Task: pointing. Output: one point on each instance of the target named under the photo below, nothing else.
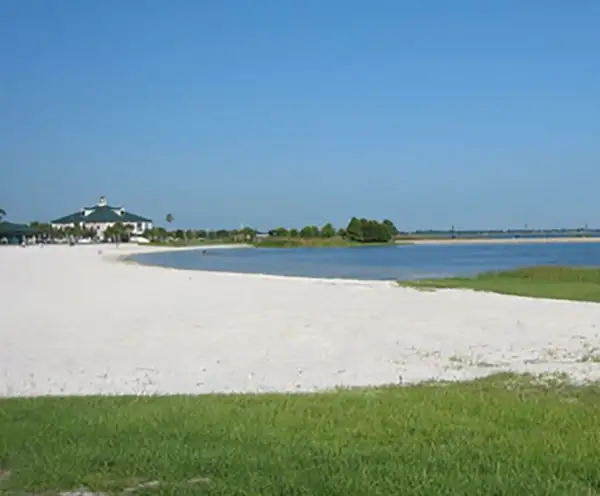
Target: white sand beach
(75, 322)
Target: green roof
(11, 229)
(100, 214)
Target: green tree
(109, 233)
(77, 231)
(310, 232)
(369, 231)
(116, 232)
(354, 231)
(378, 232)
(45, 229)
(156, 234)
(169, 218)
(127, 231)
(74, 231)
(2, 213)
(279, 232)
(294, 233)
(389, 225)
(120, 231)
(328, 231)
(90, 233)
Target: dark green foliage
(370, 231)
(359, 231)
(156, 234)
(389, 225)
(310, 232)
(118, 232)
(328, 231)
(354, 230)
(280, 232)
(199, 237)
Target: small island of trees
(357, 232)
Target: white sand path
(73, 322)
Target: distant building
(16, 233)
(102, 216)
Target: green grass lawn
(564, 283)
(504, 435)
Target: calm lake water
(380, 263)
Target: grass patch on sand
(564, 283)
(333, 242)
(502, 435)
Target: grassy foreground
(504, 435)
(564, 283)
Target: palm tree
(109, 233)
(128, 231)
(120, 230)
(2, 213)
(115, 232)
(169, 218)
(46, 230)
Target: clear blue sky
(482, 114)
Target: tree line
(118, 231)
(357, 230)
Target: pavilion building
(102, 216)
(17, 233)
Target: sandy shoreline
(492, 241)
(74, 323)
